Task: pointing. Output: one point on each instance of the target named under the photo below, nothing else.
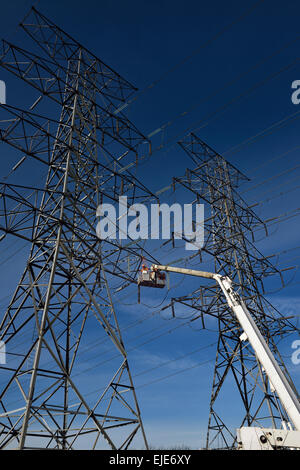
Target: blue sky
(233, 89)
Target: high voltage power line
(193, 54)
(68, 276)
(170, 122)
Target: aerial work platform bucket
(151, 278)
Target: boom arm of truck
(277, 379)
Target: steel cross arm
(36, 63)
(41, 20)
(33, 120)
(276, 376)
(241, 205)
(189, 146)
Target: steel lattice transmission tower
(87, 147)
(229, 233)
